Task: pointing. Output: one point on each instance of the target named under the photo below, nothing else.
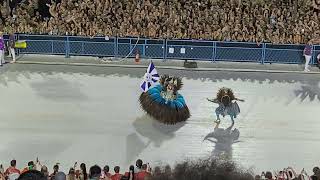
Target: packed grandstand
(287, 21)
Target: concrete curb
(165, 67)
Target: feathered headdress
(175, 81)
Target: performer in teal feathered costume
(164, 103)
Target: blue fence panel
(40, 44)
(155, 48)
(38, 47)
(154, 51)
(240, 52)
(167, 49)
(128, 47)
(291, 54)
(76, 48)
(98, 46)
(123, 49)
(102, 49)
(315, 54)
(189, 49)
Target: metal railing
(165, 49)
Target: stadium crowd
(258, 21)
(209, 169)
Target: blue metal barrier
(165, 49)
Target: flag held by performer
(150, 78)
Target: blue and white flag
(150, 78)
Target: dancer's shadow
(223, 139)
(310, 90)
(155, 132)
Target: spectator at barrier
(268, 175)
(55, 171)
(106, 171)
(12, 170)
(117, 175)
(307, 54)
(318, 60)
(83, 172)
(2, 48)
(131, 175)
(60, 176)
(139, 163)
(71, 175)
(95, 172)
(31, 166)
(45, 171)
(11, 46)
(32, 175)
(144, 173)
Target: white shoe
(306, 70)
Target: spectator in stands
(269, 175)
(55, 171)
(45, 171)
(30, 166)
(60, 176)
(32, 175)
(139, 165)
(83, 172)
(72, 174)
(131, 175)
(94, 172)
(144, 173)
(12, 172)
(117, 175)
(106, 171)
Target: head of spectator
(268, 175)
(144, 167)
(95, 172)
(55, 168)
(60, 176)
(13, 163)
(117, 169)
(157, 171)
(45, 171)
(71, 174)
(131, 174)
(139, 164)
(31, 165)
(32, 175)
(106, 169)
(83, 170)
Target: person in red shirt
(117, 175)
(106, 171)
(30, 166)
(12, 169)
(144, 173)
(131, 175)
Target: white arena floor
(91, 114)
